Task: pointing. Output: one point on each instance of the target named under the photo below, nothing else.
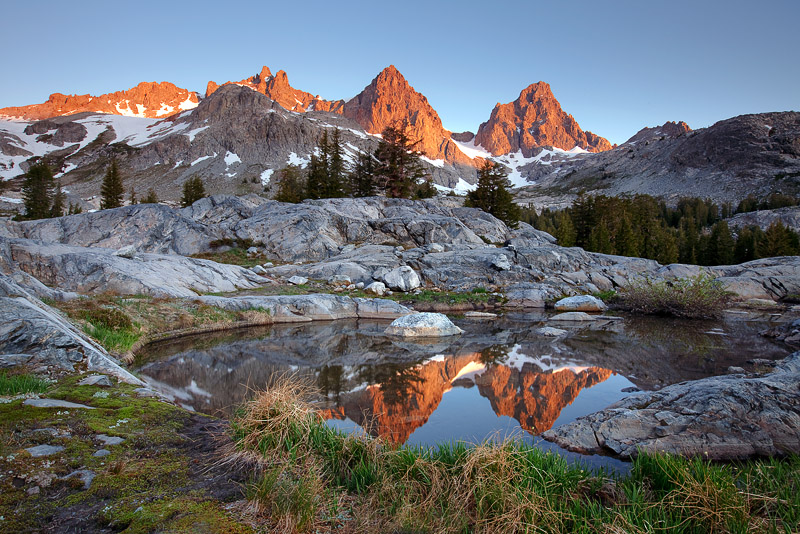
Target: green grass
(309, 471)
(113, 340)
(17, 384)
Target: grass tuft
(18, 384)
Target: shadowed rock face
(720, 418)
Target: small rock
(434, 248)
(34, 490)
(268, 265)
(298, 280)
(572, 317)
(102, 453)
(128, 252)
(258, 269)
(423, 325)
(735, 370)
(44, 450)
(109, 440)
(252, 251)
(360, 285)
(581, 303)
(550, 331)
(96, 380)
(53, 403)
(351, 287)
(84, 475)
(630, 389)
(145, 392)
(347, 249)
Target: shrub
(697, 297)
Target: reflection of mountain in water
(392, 387)
(533, 394)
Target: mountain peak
(534, 119)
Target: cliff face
(534, 119)
(148, 99)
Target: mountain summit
(390, 100)
(535, 119)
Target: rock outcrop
(148, 99)
(533, 120)
(35, 335)
(719, 418)
(305, 308)
(94, 270)
(423, 325)
(789, 217)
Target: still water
(501, 378)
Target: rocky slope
(749, 154)
(535, 119)
(148, 99)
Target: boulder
(298, 280)
(501, 262)
(423, 325)
(339, 280)
(376, 288)
(549, 331)
(581, 303)
(719, 418)
(402, 279)
(526, 298)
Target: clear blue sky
(616, 66)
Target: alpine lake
(500, 379)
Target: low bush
(697, 297)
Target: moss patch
(162, 476)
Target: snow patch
(68, 167)
(11, 200)
(191, 134)
(164, 110)
(187, 104)
(471, 150)
(462, 187)
(435, 162)
(265, 176)
(202, 158)
(231, 158)
(294, 159)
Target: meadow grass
(307, 476)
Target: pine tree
(111, 192)
(132, 197)
(290, 185)
(492, 194)
(565, 230)
(57, 209)
(721, 245)
(361, 178)
(399, 169)
(193, 190)
(37, 192)
(336, 184)
(779, 240)
(625, 242)
(151, 197)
